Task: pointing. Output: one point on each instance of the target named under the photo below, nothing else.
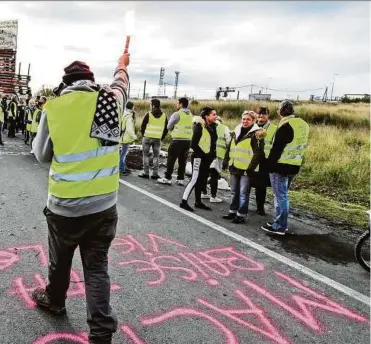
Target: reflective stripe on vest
(241, 154)
(183, 129)
(205, 141)
(34, 124)
(221, 143)
(81, 167)
(268, 139)
(294, 151)
(155, 126)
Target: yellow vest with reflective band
(155, 126)
(183, 129)
(29, 118)
(34, 124)
(1, 114)
(240, 154)
(205, 141)
(81, 166)
(124, 119)
(294, 151)
(10, 112)
(221, 143)
(268, 139)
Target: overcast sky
(283, 45)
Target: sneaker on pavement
(238, 219)
(42, 299)
(205, 196)
(229, 216)
(215, 200)
(184, 205)
(179, 182)
(164, 181)
(143, 175)
(270, 229)
(202, 206)
(155, 176)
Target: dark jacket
(156, 113)
(196, 136)
(257, 146)
(283, 136)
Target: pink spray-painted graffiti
(159, 261)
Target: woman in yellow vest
(260, 177)
(245, 154)
(203, 145)
(154, 130)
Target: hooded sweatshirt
(174, 119)
(156, 112)
(43, 150)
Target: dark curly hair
(206, 111)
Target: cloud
(282, 45)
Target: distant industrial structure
(161, 93)
(260, 96)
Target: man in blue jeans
(284, 161)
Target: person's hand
(124, 60)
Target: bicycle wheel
(362, 251)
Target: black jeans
(11, 127)
(260, 195)
(93, 234)
(177, 150)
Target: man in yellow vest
(30, 108)
(36, 117)
(284, 161)
(260, 177)
(128, 135)
(2, 115)
(79, 133)
(154, 130)
(12, 116)
(180, 125)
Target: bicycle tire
(358, 250)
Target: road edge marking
(305, 270)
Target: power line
(278, 90)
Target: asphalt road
(179, 277)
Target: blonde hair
(252, 114)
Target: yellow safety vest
(294, 151)
(268, 139)
(1, 115)
(81, 166)
(124, 136)
(221, 143)
(34, 124)
(205, 141)
(240, 154)
(10, 113)
(29, 118)
(183, 129)
(155, 126)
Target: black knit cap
(77, 70)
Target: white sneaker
(215, 200)
(164, 181)
(205, 196)
(31, 151)
(179, 182)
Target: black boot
(184, 205)
(238, 219)
(229, 216)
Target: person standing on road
(128, 135)
(224, 138)
(82, 143)
(284, 161)
(260, 177)
(1, 122)
(12, 116)
(36, 117)
(4, 105)
(154, 130)
(203, 145)
(180, 125)
(29, 109)
(245, 153)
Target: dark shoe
(238, 219)
(270, 229)
(128, 171)
(261, 212)
(143, 175)
(230, 216)
(184, 205)
(202, 206)
(1, 143)
(155, 176)
(41, 298)
(125, 173)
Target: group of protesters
(85, 132)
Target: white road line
(315, 275)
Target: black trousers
(11, 127)
(260, 196)
(214, 177)
(93, 234)
(178, 149)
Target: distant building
(357, 95)
(259, 96)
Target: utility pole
(144, 89)
(238, 95)
(333, 83)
